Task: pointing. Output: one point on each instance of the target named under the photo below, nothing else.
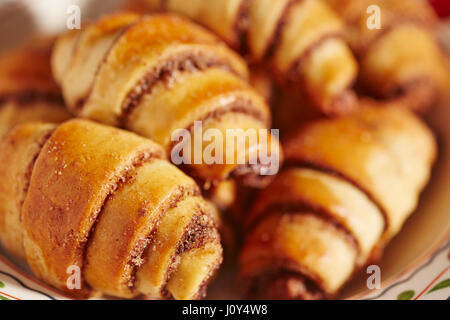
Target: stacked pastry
(348, 186)
(158, 74)
(27, 89)
(83, 196)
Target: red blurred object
(442, 7)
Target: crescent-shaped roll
(156, 75)
(401, 57)
(347, 188)
(300, 39)
(27, 89)
(83, 199)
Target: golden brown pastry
(347, 188)
(106, 201)
(301, 40)
(27, 89)
(156, 74)
(402, 59)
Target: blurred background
(21, 19)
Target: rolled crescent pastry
(83, 199)
(156, 75)
(348, 186)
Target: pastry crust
(329, 212)
(156, 74)
(104, 200)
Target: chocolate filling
(333, 172)
(241, 27)
(295, 72)
(166, 72)
(304, 207)
(197, 233)
(282, 284)
(241, 106)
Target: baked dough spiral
(402, 59)
(348, 186)
(106, 201)
(299, 39)
(27, 89)
(157, 74)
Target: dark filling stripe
(27, 97)
(240, 26)
(295, 72)
(333, 172)
(306, 208)
(239, 106)
(182, 193)
(275, 39)
(122, 178)
(273, 285)
(198, 232)
(166, 71)
(313, 285)
(249, 174)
